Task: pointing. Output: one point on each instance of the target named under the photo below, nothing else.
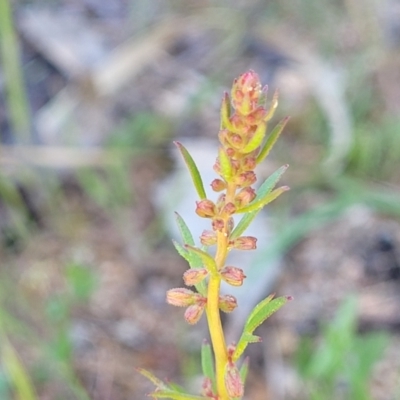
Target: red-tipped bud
(218, 224)
(245, 179)
(232, 275)
(245, 196)
(207, 389)
(246, 92)
(229, 209)
(194, 312)
(230, 152)
(194, 276)
(227, 303)
(205, 208)
(249, 164)
(181, 297)
(218, 185)
(244, 243)
(233, 382)
(208, 238)
(235, 140)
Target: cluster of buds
(244, 118)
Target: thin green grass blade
(16, 372)
(193, 170)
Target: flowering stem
(217, 335)
(213, 313)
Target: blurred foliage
(340, 364)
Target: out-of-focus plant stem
(15, 91)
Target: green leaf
(225, 164)
(194, 172)
(263, 310)
(157, 382)
(272, 138)
(260, 313)
(171, 394)
(263, 190)
(207, 362)
(187, 236)
(259, 204)
(208, 261)
(257, 138)
(16, 372)
(194, 261)
(244, 370)
(225, 112)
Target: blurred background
(92, 94)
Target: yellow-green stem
(213, 314)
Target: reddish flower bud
(246, 92)
(235, 140)
(218, 185)
(194, 276)
(227, 303)
(207, 388)
(181, 297)
(230, 152)
(233, 382)
(205, 208)
(218, 224)
(232, 275)
(245, 196)
(245, 179)
(208, 238)
(194, 312)
(244, 243)
(249, 163)
(229, 209)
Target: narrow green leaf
(207, 362)
(183, 253)
(170, 394)
(262, 311)
(271, 140)
(187, 236)
(244, 370)
(157, 382)
(16, 372)
(225, 164)
(225, 112)
(194, 172)
(243, 342)
(194, 261)
(259, 204)
(257, 138)
(208, 261)
(263, 190)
